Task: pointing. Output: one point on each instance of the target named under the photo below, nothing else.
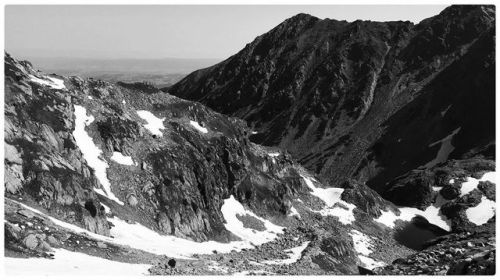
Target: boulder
(488, 189)
(12, 232)
(31, 241)
(13, 178)
(132, 200)
(52, 240)
(172, 263)
(12, 155)
(26, 213)
(450, 192)
(102, 245)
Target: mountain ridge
(310, 95)
(95, 170)
(124, 179)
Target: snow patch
(472, 183)
(198, 127)
(140, 237)
(91, 152)
(121, 159)
(431, 214)
(369, 262)
(294, 254)
(273, 156)
(363, 245)
(490, 176)
(345, 215)
(57, 83)
(294, 212)
(106, 208)
(330, 196)
(49, 81)
(231, 208)
(445, 149)
(154, 124)
(335, 206)
(481, 213)
(71, 263)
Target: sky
(148, 32)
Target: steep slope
(126, 173)
(177, 169)
(369, 100)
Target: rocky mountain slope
(127, 173)
(125, 179)
(121, 179)
(365, 100)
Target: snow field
(198, 127)
(121, 159)
(71, 263)
(154, 124)
(91, 153)
(49, 81)
(363, 245)
(335, 206)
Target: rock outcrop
(42, 160)
(178, 180)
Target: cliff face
(369, 100)
(174, 180)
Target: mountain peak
(301, 16)
(464, 14)
(308, 85)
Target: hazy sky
(166, 31)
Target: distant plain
(160, 72)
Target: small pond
(417, 232)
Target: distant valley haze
(161, 72)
